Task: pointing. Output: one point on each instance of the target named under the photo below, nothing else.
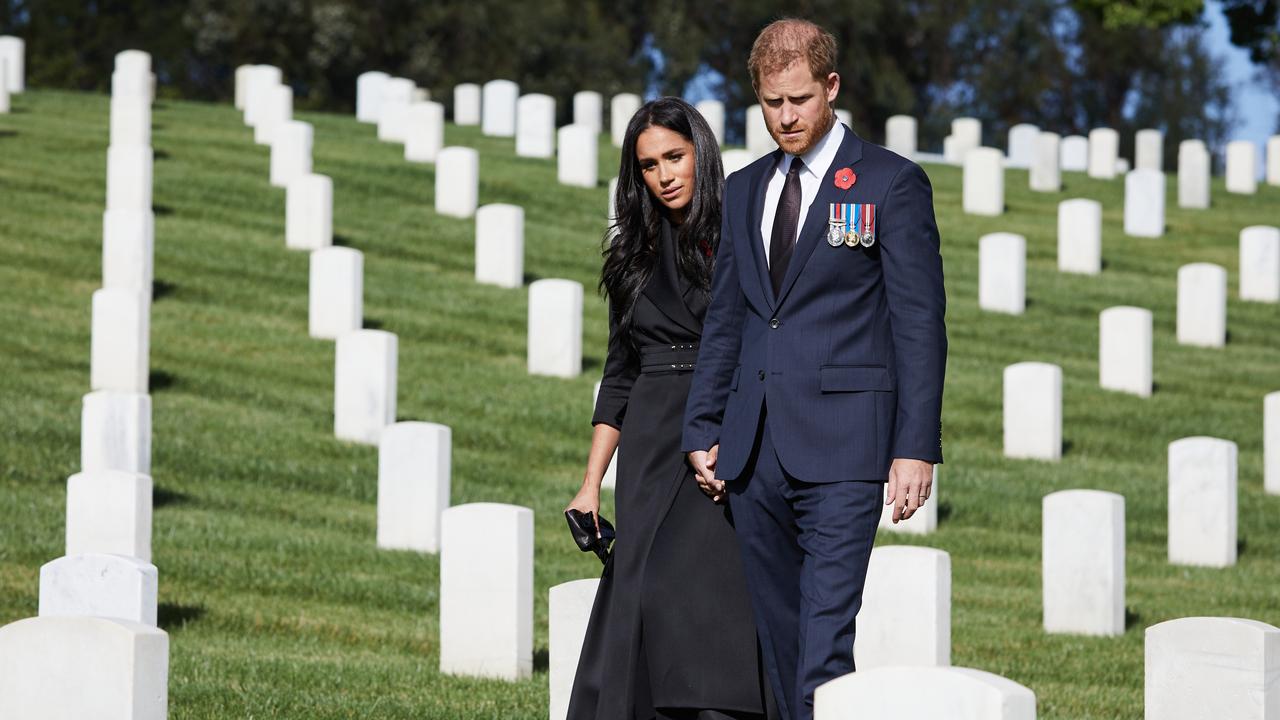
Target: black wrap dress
(671, 634)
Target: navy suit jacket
(850, 356)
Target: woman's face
(667, 166)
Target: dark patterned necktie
(783, 239)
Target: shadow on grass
(541, 660)
(530, 277)
(1131, 618)
(373, 324)
(161, 497)
(1242, 546)
(162, 289)
(172, 616)
(591, 363)
(8, 133)
(342, 241)
(161, 380)
(944, 511)
(1066, 447)
(162, 210)
(160, 154)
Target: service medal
(867, 234)
(835, 225)
(852, 225)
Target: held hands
(910, 482)
(704, 468)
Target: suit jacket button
(773, 323)
(761, 375)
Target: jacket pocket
(733, 384)
(855, 378)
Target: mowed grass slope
(277, 603)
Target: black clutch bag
(583, 528)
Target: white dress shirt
(816, 163)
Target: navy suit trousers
(805, 549)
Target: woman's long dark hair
(631, 243)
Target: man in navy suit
(819, 376)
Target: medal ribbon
(856, 219)
(869, 220)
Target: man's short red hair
(786, 41)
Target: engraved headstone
(1202, 502)
(115, 432)
(1212, 667)
(1082, 563)
(99, 585)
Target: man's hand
(704, 467)
(910, 482)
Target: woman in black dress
(671, 635)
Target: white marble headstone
(262, 78)
(736, 159)
(900, 135)
(1080, 236)
(499, 108)
(500, 245)
(1148, 150)
(128, 239)
(369, 95)
(621, 108)
(120, 347)
(414, 469)
(984, 182)
(457, 181)
(466, 104)
(13, 54)
(1202, 502)
(555, 328)
(309, 212)
(275, 110)
(967, 135)
(577, 161)
(1083, 562)
(364, 387)
(131, 120)
(393, 109)
(569, 610)
(1002, 273)
(1242, 167)
(588, 109)
(1193, 175)
(759, 141)
(336, 292)
(99, 585)
(115, 432)
(129, 173)
(291, 144)
(1202, 305)
(242, 85)
(1124, 350)
(109, 511)
(1212, 667)
(486, 591)
(424, 132)
(1104, 150)
(1046, 174)
(1075, 153)
(1022, 144)
(536, 126)
(1033, 411)
(1260, 263)
(59, 668)
(905, 617)
(912, 692)
(1144, 203)
(713, 112)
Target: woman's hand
(588, 500)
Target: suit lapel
(759, 187)
(814, 230)
(665, 288)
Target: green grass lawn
(277, 603)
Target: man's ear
(833, 87)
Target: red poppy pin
(845, 178)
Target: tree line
(1065, 65)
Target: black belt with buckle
(668, 358)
